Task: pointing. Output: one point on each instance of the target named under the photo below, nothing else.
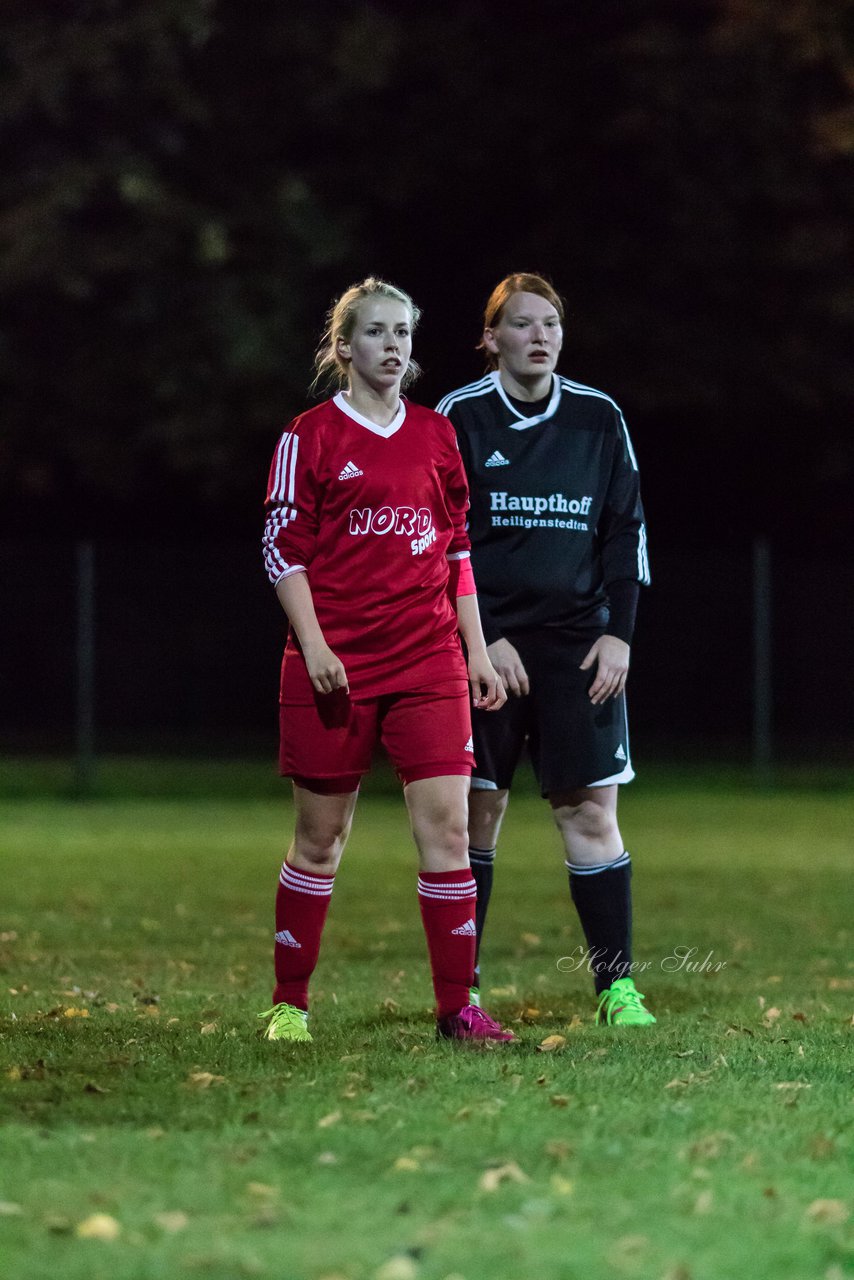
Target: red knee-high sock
(302, 901)
(447, 900)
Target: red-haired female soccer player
(366, 546)
(559, 545)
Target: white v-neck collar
(394, 426)
(524, 423)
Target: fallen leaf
(405, 1164)
(400, 1267)
(58, 1224)
(204, 1079)
(799, 1017)
(207, 1029)
(831, 1212)
(501, 992)
(72, 1012)
(92, 1087)
(172, 1221)
(551, 1043)
(703, 1203)
(559, 1100)
(99, 1226)
(328, 1121)
(9, 1210)
(493, 1178)
(574, 1023)
(14, 1073)
(262, 1190)
(771, 1016)
(841, 984)
(557, 1149)
(530, 939)
(327, 1157)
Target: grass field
(148, 1132)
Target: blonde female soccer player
(365, 544)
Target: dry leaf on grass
(172, 1221)
(203, 1079)
(9, 1210)
(262, 1190)
(493, 1178)
(559, 1100)
(405, 1164)
(207, 1028)
(551, 1043)
(99, 1226)
(703, 1203)
(326, 1122)
(831, 1212)
(400, 1267)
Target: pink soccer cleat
(471, 1023)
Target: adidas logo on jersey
(466, 930)
(620, 754)
(470, 744)
(350, 472)
(287, 939)
(497, 459)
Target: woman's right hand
(325, 671)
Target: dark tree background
(187, 183)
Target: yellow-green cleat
(287, 1022)
(622, 1006)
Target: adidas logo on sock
(497, 459)
(470, 744)
(350, 472)
(287, 939)
(466, 930)
(620, 754)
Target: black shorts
(571, 743)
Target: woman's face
(528, 337)
(380, 345)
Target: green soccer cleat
(287, 1022)
(622, 1006)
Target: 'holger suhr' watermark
(679, 960)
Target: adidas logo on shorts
(287, 939)
(350, 472)
(466, 930)
(620, 754)
(470, 744)
(497, 459)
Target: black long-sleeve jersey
(556, 515)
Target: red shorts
(328, 745)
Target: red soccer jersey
(372, 514)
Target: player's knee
(588, 820)
(486, 813)
(320, 841)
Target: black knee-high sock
(482, 867)
(603, 899)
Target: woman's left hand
(611, 657)
(487, 691)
